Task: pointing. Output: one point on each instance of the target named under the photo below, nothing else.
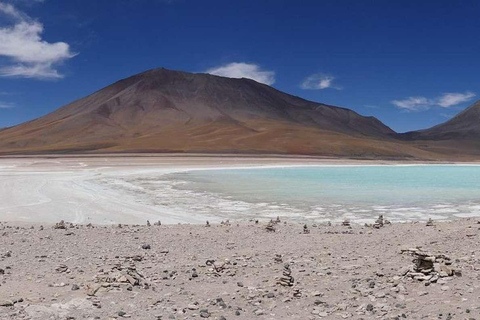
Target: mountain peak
(465, 125)
(163, 110)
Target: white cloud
(6, 105)
(244, 70)
(446, 100)
(451, 99)
(319, 82)
(413, 103)
(30, 55)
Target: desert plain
(104, 261)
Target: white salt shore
(50, 189)
(117, 189)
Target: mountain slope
(464, 126)
(170, 111)
(458, 138)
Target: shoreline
(68, 188)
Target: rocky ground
(241, 271)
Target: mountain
(170, 111)
(459, 136)
(464, 126)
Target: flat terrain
(234, 271)
(107, 189)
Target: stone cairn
(119, 274)
(305, 229)
(379, 223)
(430, 223)
(429, 268)
(286, 279)
(270, 227)
(278, 258)
(60, 225)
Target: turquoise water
(338, 192)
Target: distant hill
(171, 111)
(459, 136)
(465, 126)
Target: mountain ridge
(162, 110)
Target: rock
(259, 312)
(286, 279)
(305, 229)
(146, 246)
(62, 268)
(75, 287)
(369, 307)
(270, 227)
(194, 273)
(430, 223)
(379, 222)
(60, 225)
(204, 313)
(6, 303)
(423, 263)
(446, 270)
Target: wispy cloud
(445, 100)
(451, 99)
(413, 103)
(244, 70)
(319, 81)
(6, 105)
(30, 55)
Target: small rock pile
(270, 227)
(305, 229)
(380, 222)
(225, 223)
(286, 279)
(60, 225)
(120, 274)
(278, 258)
(429, 268)
(430, 223)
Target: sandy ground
(87, 189)
(224, 271)
(235, 271)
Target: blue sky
(412, 64)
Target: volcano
(171, 111)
